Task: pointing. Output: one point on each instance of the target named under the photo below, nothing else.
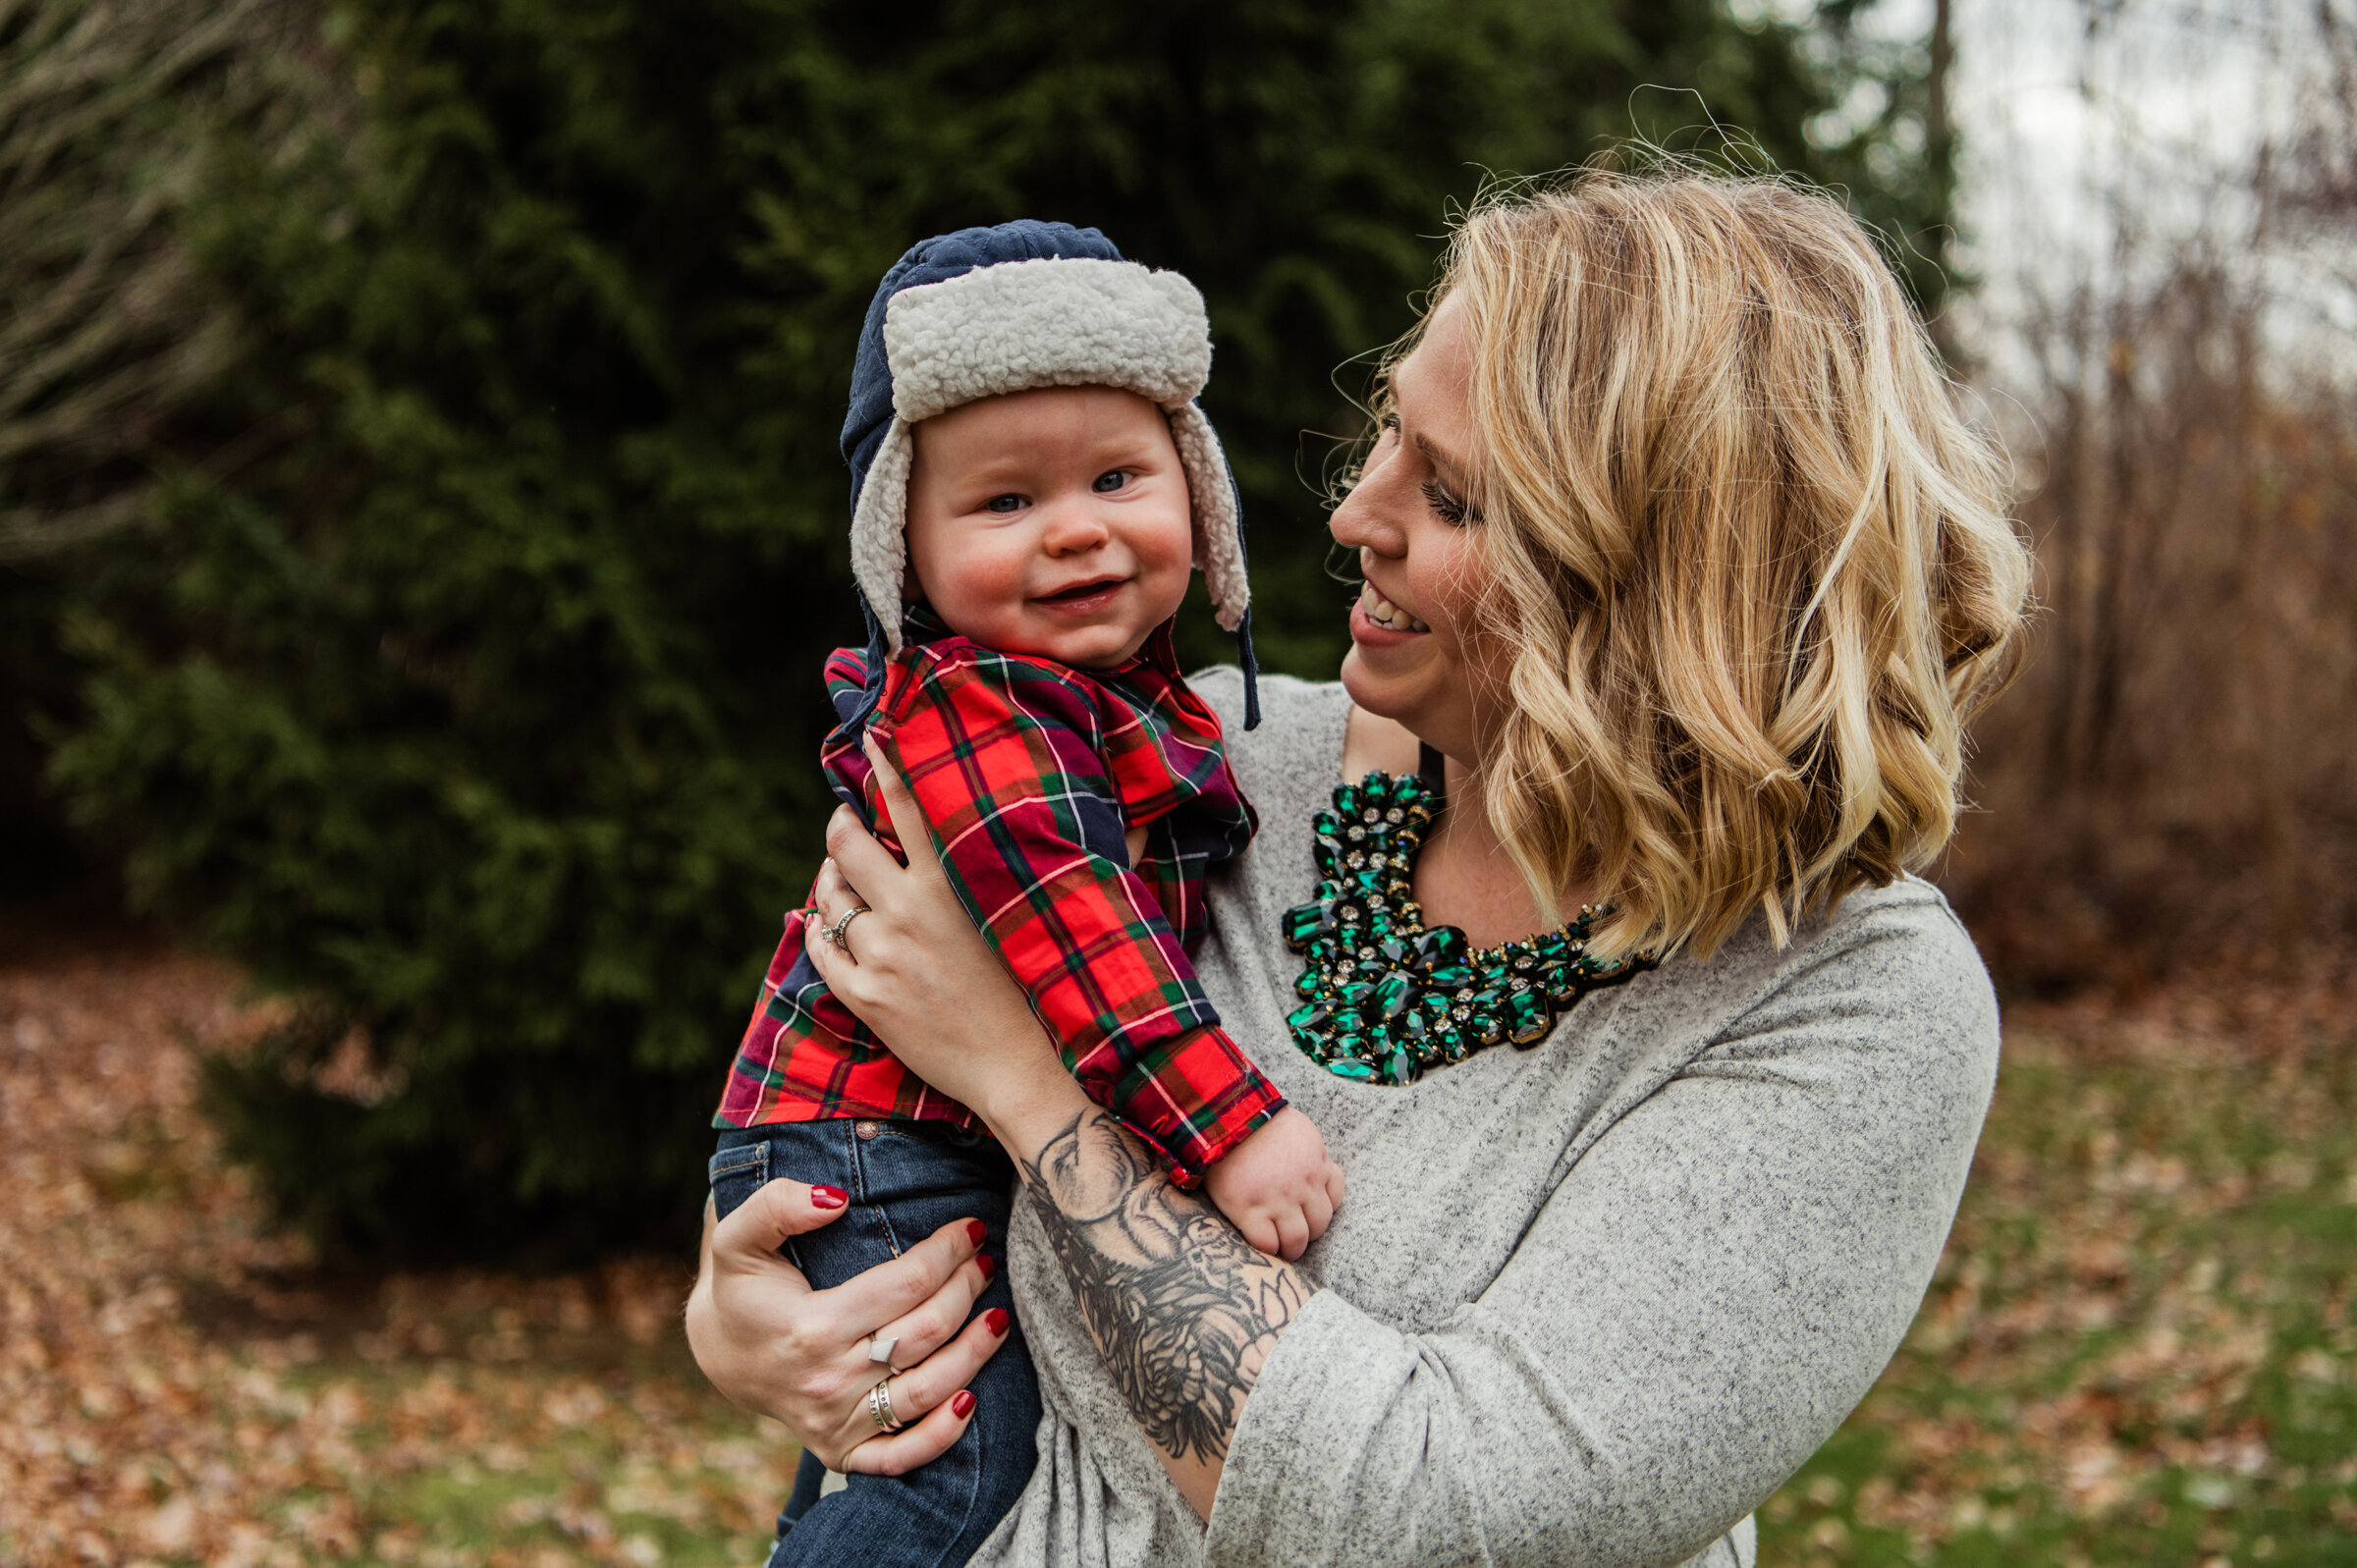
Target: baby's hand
(1277, 1186)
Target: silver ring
(879, 1407)
(837, 934)
(879, 1349)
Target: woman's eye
(1449, 508)
(1111, 480)
(1004, 504)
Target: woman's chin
(1372, 688)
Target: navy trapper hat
(982, 312)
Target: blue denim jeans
(907, 1179)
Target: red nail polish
(997, 1321)
(829, 1197)
(960, 1402)
(977, 1232)
(990, 1266)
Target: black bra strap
(1434, 772)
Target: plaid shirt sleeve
(1003, 756)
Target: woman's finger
(922, 1443)
(902, 806)
(750, 1237)
(868, 869)
(892, 1290)
(918, 1334)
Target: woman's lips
(1383, 615)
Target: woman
(1679, 558)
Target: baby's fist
(1278, 1186)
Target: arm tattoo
(1181, 1307)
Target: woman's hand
(772, 1344)
(917, 972)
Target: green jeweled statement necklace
(1383, 996)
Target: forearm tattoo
(1181, 1307)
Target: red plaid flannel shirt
(1028, 773)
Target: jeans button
(866, 1130)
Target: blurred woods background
(2166, 332)
(419, 495)
(420, 519)
(420, 523)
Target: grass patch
(2139, 1347)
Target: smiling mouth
(1384, 613)
(1080, 590)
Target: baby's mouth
(1081, 590)
(1384, 613)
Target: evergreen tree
(478, 703)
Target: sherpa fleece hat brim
(1062, 321)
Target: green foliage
(479, 699)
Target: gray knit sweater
(1588, 1303)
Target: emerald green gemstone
(1308, 983)
(1553, 947)
(1450, 976)
(1394, 994)
(1526, 1017)
(1399, 1066)
(1415, 1033)
(1451, 1044)
(1346, 801)
(1355, 992)
(1447, 944)
(1485, 1028)
(1349, 1042)
(1348, 1067)
(1304, 921)
(1309, 1019)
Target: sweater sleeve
(1002, 754)
(1716, 1280)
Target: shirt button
(866, 1130)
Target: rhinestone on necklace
(1384, 997)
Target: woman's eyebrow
(1450, 467)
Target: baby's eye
(1111, 480)
(1006, 503)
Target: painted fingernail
(977, 1232)
(990, 1266)
(997, 1321)
(829, 1197)
(960, 1402)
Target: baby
(1024, 437)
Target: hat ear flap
(880, 530)
(1219, 536)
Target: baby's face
(1054, 522)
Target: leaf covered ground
(2140, 1347)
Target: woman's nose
(1366, 520)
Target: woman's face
(1414, 639)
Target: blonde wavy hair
(1751, 567)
